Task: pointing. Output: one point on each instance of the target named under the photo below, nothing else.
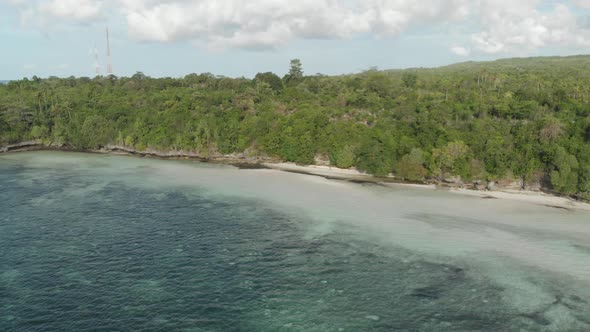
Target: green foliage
(564, 176)
(411, 166)
(452, 159)
(483, 121)
(344, 157)
(295, 71)
(274, 81)
(375, 155)
(38, 132)
(410, 79)
(96, 131)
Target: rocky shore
(22, 146)
(234, 159)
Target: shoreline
(328, 172)
(527, 196)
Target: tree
(411, 166)
(375, 154)
(138, 76)
(295, 71)
(344, 157)
(39, 132)
(510, 120)
(552, 130)
(96, 131)
(583, 156)
(410, 79)
(564, 176)
(526, 162)
(272, 79)
(452, 158)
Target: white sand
(534, 197)
(528, 196)
(318, 170)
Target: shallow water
(94, 242)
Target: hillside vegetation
(511, 120)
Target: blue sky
(241, 38)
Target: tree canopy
(524, 120)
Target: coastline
(332, 173)
(528, 196)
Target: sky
(243, 37)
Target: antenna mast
(109, 64)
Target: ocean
(117, 243)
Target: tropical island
(513, 123)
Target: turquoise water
(92, 242)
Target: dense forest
(524, 120)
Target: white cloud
(510, 26)
(506, 25)
(63, 11)
(493, 26)
(460, 51)
(582, 3)
(268, 23)
(74, 10)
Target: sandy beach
(353, 175)
(533, 197)
(326, 171)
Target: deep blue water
(117, 257)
